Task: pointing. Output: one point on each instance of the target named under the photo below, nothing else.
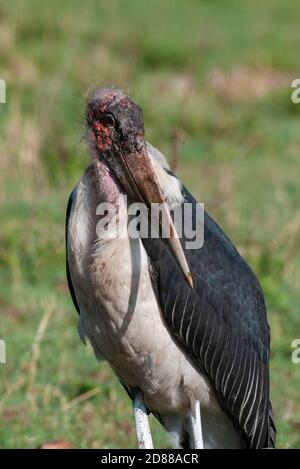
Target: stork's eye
(108, 120)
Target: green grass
(218, 75)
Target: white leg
(194, 418)
(143, 433)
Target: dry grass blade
(79, 399)
(35, 353)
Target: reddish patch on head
(102, 135)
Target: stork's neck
(99, 186)
(104, 183)
(106, 204)
(107, 188)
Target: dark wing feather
(71, 200)
(222, 326)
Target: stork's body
(120, 316)
(159, 336)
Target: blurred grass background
(214, 77)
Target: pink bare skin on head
(102, 135)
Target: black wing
(222, 326)
(71, 200)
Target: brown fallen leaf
(58, 444)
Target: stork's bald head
(114, 121)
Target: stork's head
(115, 121)
(116, 126)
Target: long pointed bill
(145, 185)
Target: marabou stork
(193, 349)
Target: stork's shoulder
(70, 204)
(71, 201)
(76, 230)
(80, 215)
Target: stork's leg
(143, 433)
(194, 420)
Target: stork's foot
(195, 427)
(143, 433)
